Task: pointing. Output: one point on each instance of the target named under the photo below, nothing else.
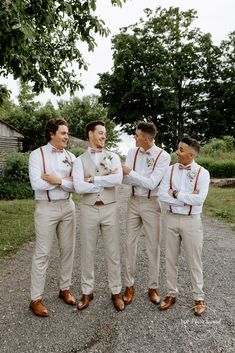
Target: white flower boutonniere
(191, 175)
(150, 161)
(106, 163)
(68, 162)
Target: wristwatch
(174, 194)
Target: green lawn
(17, 228)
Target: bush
(15, 189)
(16, 166)
(77, 151)
(218, 169)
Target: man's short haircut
(92, 125)
(52, 126)
(194, 144)
(147, 128)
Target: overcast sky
(214, 16)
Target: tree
(159, 74)
(39, 40)
(79, 112)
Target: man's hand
(196, 191)
(170, 192)
(51, 179)
(126, 170)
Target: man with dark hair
(50, 169)
(96, 173)
(144, 168)
(184, 189)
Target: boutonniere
(68, 162)
(191, 175)
(106, 163)
(150, 161)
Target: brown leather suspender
(134, 164)
(195, 186)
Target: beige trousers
(143, 212)
(53, 219)
(188, 231)
(104, 219)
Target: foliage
(79, 112)
(16, 166)
(218, 147)
(15, 189)
(77, 151)
(39, 40)
(18, 214)
(220, 204)
(218, 168)
(170, 73)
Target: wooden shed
(10, 141)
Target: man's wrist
(175, 194)
(91, 180)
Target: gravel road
(141, 327)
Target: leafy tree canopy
(39, 40)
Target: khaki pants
(104, 218)
(53, 219)
(143, 212)
(187, 230)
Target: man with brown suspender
(184, 189)
(50, 169)
(144, 168)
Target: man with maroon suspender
(184, 189)
(144, 168)
(50, 169)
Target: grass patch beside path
(220, 204)
(16, 225)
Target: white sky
(214, 16)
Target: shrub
(16, 166)
(15, 189)
(77, 151)
(219, 168)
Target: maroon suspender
(134, 163)
(195, 187)
(44, 170)
(154, 167)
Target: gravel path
(141, 327)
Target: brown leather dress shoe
(128, 295)
(153, 296)
(167, 303)
(85, 300)
(118, 302)
(199, 307)
(38, 308)
(67, 297)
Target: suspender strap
(154, 167)
(134, 163)
(44, 170)
(195, 187)
(171, 176)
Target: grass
(17, 227)
(220, 204)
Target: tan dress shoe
(199, 307)
(118, 302)
(153, 296)
(38, 308)
(167, 303)
(85, 300)
(128, 295)
(67, 297)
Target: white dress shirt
(57, 164)
(183, 181)
(100, 181)
(144, 178)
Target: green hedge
(15, 189)
(218, 169)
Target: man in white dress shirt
(95, 175)
(145, 166)
(50, 169)
(184, 189)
